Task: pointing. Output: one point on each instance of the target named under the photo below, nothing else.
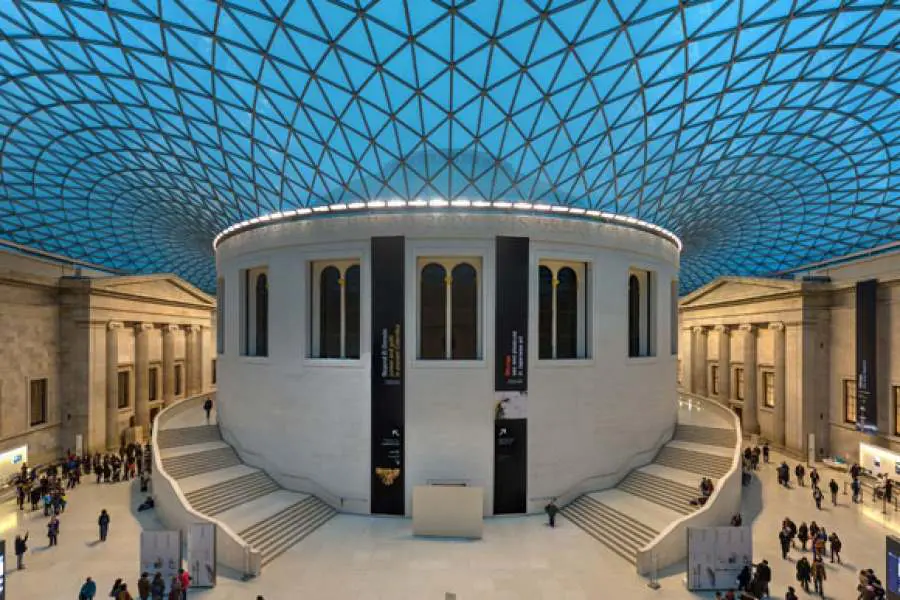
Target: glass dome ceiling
(764, 133)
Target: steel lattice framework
(764, 133)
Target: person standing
(791, 594)
(836, 545)
(765, 452)
(551, 509)
(184, 579)
(157, 587)
(803, 573)
(88, 590)
(175, 588)
(124, 594)
(833, 488)
(817, 496)
(53, 531)
(207, 406)
(784, 538)
(819, 576)
(143, 586)
(803, 535)
(103, 522)
(800, 472)
(21, 546)
(814, 477)
(764, 574)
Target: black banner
(866, 341)
(388, 493)
(511, 376)
(510, 366)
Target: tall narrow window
(124, 389)
(330, 322)
(566, 313)
(433, 321)
(768, 389)
(336, 303)
(739, 382)
(545, 312)
(464, 312)
(262, 315)
(714, 379)
(153, 381)
(850, 401)
(212, 371)
(37, 402)
(634, 316)
(179, 379)
(220, 315)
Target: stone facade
(60, 324)
(782, 352)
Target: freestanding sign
(388, 489)
(201, 554)
(161, 553)
(866, 340)
(511, 376)
(2, 569)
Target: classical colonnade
(192, 376)
(700, 378)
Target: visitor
(819, 546)
(804, 573)
(207, 406)
(185, 579)
(803, 535)
(833, 487)
(817, 496)
(124, 594)
(103, 522)
(743, 579)
(814, 477)
(791, 594)
(551, 509)
(764, 578)
(800, 472)
(856, 488)
(836, 545)
(116, 588)
(765, 451)
(818, 576)
(784, 538)
(143, 586)
(21, 546)
(157, 587)
(88, 590)
(146, 504)
(175, 588)
(53, 530)
(737, 520)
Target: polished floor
(372, 558)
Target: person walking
(103, 522)
(817, 496)
(175, 588)
(551, 509)
(116, 588)
(836, 545)
(53, 531)
(784, 538)
(765, 452)
(800, 472)
(124, 594)
(791, 594)
(803, 535)
(856, 487)
(185, 579)
(814, 477)
(743, 579)
(819, 576)
(143, 586)
(803, 573)
(88, 590)
(21, 547)
(819, 547)
(207, 406)
(764, 574)
(833, 488)
(157, 587)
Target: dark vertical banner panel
(866, 344)
(388, 490)
(511, 376)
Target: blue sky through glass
(764, 133)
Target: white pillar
(191, 360)
(168, 363)
(750, 412)
(112, 384)
(142, 375)
(700, 377)
(724, 362)
(778, 353)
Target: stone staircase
(216, 483)
(629, 516)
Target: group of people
(147, 588)
(129, 463)
(706, 489)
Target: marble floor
(376, 558)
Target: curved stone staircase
(216, 483)
(628, 517)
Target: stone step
(707, 465)
(188, 465)
(612, 528)
(219, 498)
(273, 536)
(187, 436)
(712, 436)
(664, 492)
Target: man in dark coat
(21, 546)
(551, 509)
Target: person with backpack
(88, 590)
(814, 477)
(207, 406)
(157, 587)
(53, 531)
(21, 547)
(551, 509)
(800, 472)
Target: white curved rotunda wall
(308, 420)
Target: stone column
(750, 412)
(700, 378)
(778, 353)
(168, 363)
(724, 362)
(142, 375)
(191, 360)
(112, 384)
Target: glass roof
(765, 133)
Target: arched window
(567, 313)
(330, 311)
(634, 316)
(262, 315)
(433, 319)
(545, 312)
(464, 313)
(351, 311)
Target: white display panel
(161, 553)
(201, 554)
(716, 556)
